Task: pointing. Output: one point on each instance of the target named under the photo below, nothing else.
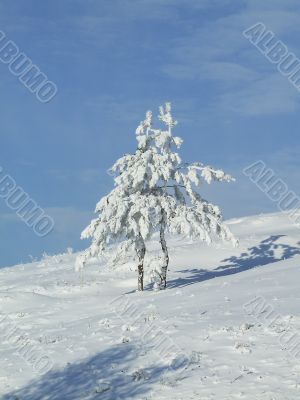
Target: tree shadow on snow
(262, 254)
(105, 376)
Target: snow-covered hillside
(227, 326)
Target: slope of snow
(226, 327)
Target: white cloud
(267, 95)
(245, 81)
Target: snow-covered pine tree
(154, 192)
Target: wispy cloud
(266, 95)
(246, 83)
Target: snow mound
(226, 327)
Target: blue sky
(113, 60)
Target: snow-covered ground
(227, 327)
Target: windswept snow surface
(230, 318)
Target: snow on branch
(152, 182)
(166, 116)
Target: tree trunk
(165, 251)
(141, 277)
(140, 249)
